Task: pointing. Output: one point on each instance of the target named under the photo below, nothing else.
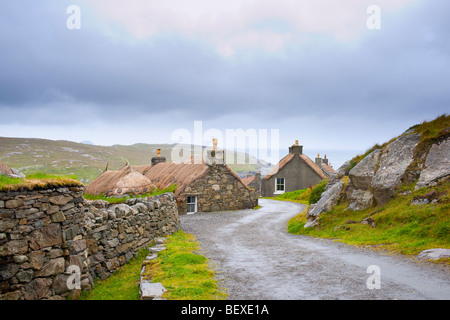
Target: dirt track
(257, 259)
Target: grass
(300, 196)
(37, 181)
(123, 199)
(122, 285)
(185, 273)
(400, 226)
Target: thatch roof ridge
(125, 179)
(166, 174)
(248, 180)
(313, 166)
(288, 158)
(280, 165)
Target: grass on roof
(123, 199)
(37, 181)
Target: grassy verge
(305, 196)
(185, 273)
(122, 285)
(37, 181)
(400, 226)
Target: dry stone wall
(53, 243)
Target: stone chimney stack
(325, 160)
(158, 158)
(296, 148)
(318, 161)
(215, 156)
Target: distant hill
(86, 160)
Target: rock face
(394, 160)
(327, 201)
(437, 165)
(329, 197)
(376, 176)
(374, 179)
(362, 174)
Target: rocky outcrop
(437, 165)
(329, 197)
(394, 160)
(327, 201)
(375, 178)
(362, 174)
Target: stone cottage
(294, 172)
(202, 187)
(253, 182)
(120, 183)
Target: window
(191, 204)
(279, 185)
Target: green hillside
(85, 161)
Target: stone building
(253, 182)
(203, 187)
(294, 172)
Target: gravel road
(256, 259)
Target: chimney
(325, 160)
(215, 156)
(296, 148)
(158, 158)
(318, 161)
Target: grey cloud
(397, 71)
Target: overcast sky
(138, 70)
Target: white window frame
(281, 184)
(195, 203)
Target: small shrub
(317, 191)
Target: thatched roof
(4, 169)
(142, 169)
(283, 162)
(248, 180)
(121, 182)
(329, 169)
(164, 175)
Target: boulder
(338, 174)
(150, 291)
(437, 165)
(360, 200)
(361, 175)
(17, 174)
(434, 254)
(394, 160)
(326, 202)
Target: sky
(335, 75)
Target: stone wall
(45, 235)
